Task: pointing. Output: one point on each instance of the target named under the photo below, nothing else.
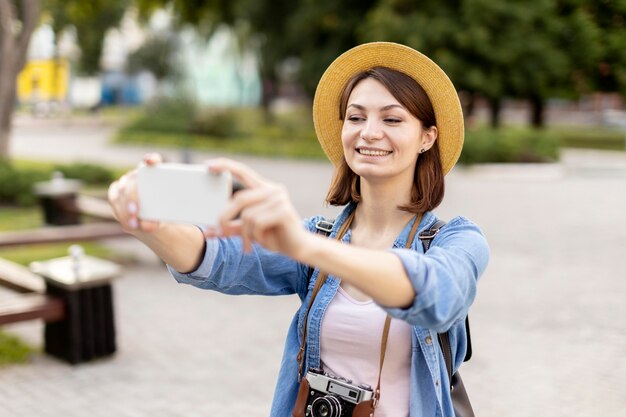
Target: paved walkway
(548, 326)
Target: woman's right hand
(123, 199)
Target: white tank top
(350, 339)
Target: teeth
(373, 153)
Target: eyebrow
(384, 108)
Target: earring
(422, 150)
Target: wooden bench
(79, 321)
(54, 234)
(78, 314)
(30, 307)
(31, 303)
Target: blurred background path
(548, 324)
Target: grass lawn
(13, 350)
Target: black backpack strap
(426, 237)
(324, 227)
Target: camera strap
(318, 284)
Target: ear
(429, 136)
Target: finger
(262, 217)
(152, 158)
(211, 232)
(132, 211)
(243, 200)
(248, 177)
(113, 195)
(148, 226)
(119, 204)
(232, 228)
(246, 239)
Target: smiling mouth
(372, 152)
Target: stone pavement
(548, 325)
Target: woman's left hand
(262, 212)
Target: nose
(372, 130)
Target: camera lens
(328, 406)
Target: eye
(355, 118)
(392, 120)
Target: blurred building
(214, 71)
(219, 72)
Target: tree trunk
(537, 113)
(268, 94)
(495, 108)
(470, 106)
(13, 50)
(6, 116)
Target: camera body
(332, 396)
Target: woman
(390, 121)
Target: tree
(530, 49)
(17, 23)
(609, 16)
(91, 19)
(155, 55)
(313, 32)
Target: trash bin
(57, 198)
(84, 284)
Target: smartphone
(182, 193)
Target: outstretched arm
(264, 213)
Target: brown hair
(428, 182)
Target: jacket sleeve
(227, 269)
(445, 277)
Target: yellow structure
(44, 80)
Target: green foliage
(530, 49)
(591, 138)
(20, 218)
(221, 123)
(509, 145)
(154, 55)
(90, 174)
(16, 183)
(31, 253)
(166, 115)
(13, 350)
(91, 19)
(181, 115)
(16, 186)
(233, 130)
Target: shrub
(166, 115)
(16, 186)
(509, 145)
(88, 173)
(216, 123)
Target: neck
(378, 209)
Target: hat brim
(440, 90)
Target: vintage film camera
(332, 396)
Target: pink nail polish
(133, 223)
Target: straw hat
(433, 80)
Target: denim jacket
(444, 280)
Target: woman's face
(381, 138)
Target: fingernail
(132, 207)
(133, 223)
(211, 166)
